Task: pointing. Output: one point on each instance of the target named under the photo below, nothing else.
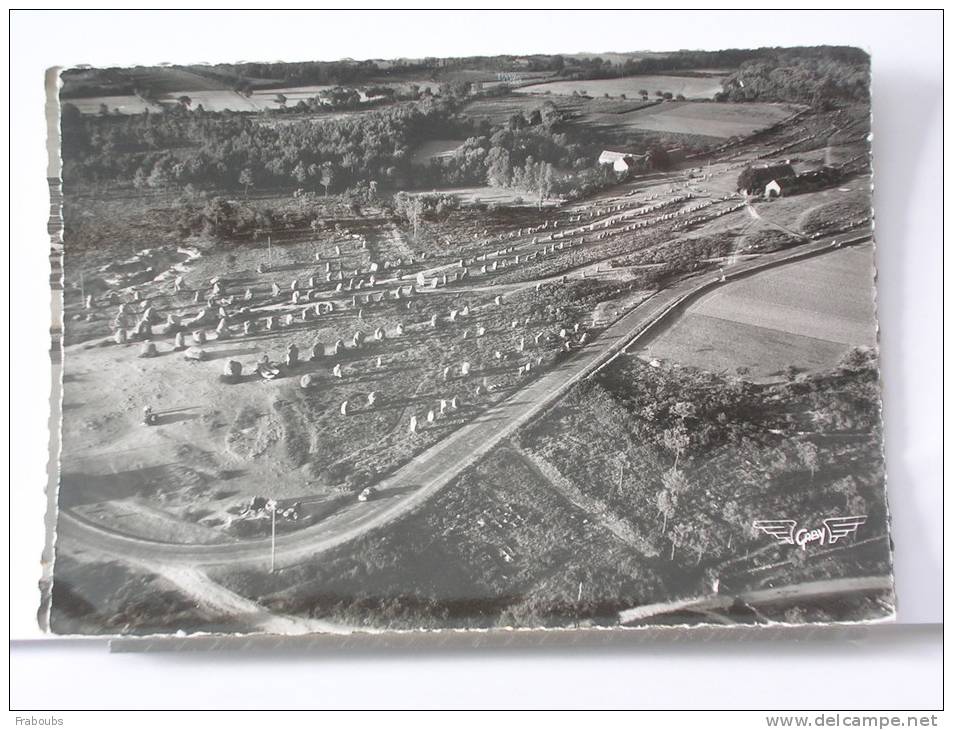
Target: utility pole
(273, 506)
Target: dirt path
(597, 510)
(218, 599)
(812, 590)
(753, 212)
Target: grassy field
(804, 315)
(819, 210)
(212, 99)
(495, 195)
(707, 120)
(692, 87)
(498, 110)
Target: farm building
(805, 182)
(753, 180)
(622, 161)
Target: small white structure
(621, 161)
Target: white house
(621, 161)
(772, 189)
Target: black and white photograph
(490, 342)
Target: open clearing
(435, 149)
(692, 87)
(707, 120)
(211, 99)
(498, 110)
(806, 314)
(491, 194)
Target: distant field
(490, 194)
(435, 149)
(498, 110)
(706, 120)
(692, 87)
(215, 99)
(806, 314)
(125, 104)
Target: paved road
(417, 481)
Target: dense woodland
(305, 148)
(237, 152)
(819, 77)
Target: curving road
(425, 475)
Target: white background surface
(907, 107)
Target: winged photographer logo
(832, 530)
